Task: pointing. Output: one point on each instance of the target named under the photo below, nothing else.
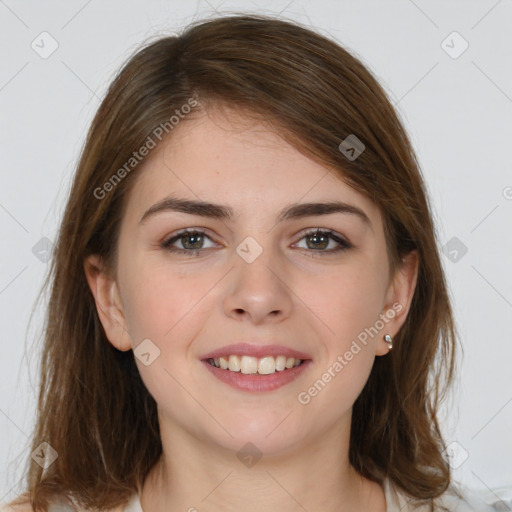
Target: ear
(108, 302)
(398, 299)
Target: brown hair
(93, 407)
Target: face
(253, 278)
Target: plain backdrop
(445, 65)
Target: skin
(190, 305)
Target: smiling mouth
(249, 365)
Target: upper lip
(253, 350)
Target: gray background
(457, 109)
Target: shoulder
(457, 498)
(25, 507)
(462, 499)
(58, 506)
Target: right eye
(188, 237)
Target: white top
(473, 501)
(491, 500)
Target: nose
(257, 292)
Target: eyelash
(343, 244)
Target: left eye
(317, 241)
(321, 238)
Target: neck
(191, 476)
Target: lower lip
(256, 382)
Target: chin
(266, 434)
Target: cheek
(349, 309)
(352, 301)
(160, 303)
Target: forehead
(224, 157)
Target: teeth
(252, 365)
(234, 364)
(267, 365)
(248, 364)
(280, 363)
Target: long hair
(93, 408)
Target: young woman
(248, 309)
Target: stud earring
(389, 340)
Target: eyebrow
(223, 212)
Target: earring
(389, 340)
